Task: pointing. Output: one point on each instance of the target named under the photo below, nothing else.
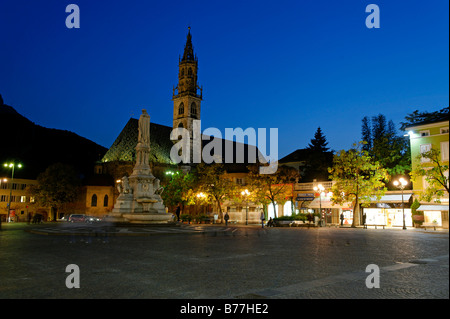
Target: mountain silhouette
(37, 147)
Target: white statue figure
(126, 186)
(144, 128)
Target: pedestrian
(262, 219)
(227, 217)
(178, 212)
(342, 219)
(364, 221)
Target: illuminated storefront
(436, 215)
(388, 211)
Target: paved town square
(218, 262)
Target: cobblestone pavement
(217, 262)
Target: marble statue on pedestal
(139, 198)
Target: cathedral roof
(124, 147)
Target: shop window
(94, 201)
(287, 209)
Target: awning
(392, 198)
(327, 204)
(433, 207)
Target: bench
(429, 225)
(375, 225)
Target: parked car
(92, 219)
(74, 218)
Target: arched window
(105, 201)
(189, 71)
(181, 109)
(180, 125)
(182, 72)
(94, 201)
(193, 108)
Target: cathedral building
(119, 160)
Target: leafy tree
(271, 188)
(58, 185)
(178, 189)
(435, 172)
(215, 184)
(319, 142)
(357, 179)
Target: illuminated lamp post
(246, 193)
(401, 183)
(320, 189)
(12, 166)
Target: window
(181, 109)
(105, 201)
(23, 199)
(444, 130)
(444, 151)
(3, 198)
(425, 148)
(424, 133)
(15, 186)
(189, 71)
(193, 109)
(94, 201)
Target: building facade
(23, 206)
(425, 136)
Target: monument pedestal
(139, 201)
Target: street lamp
(246, 193)
(401, 183)
(319, 188)
(12, 166)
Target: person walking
(342, 219)
(262, 219)
(227, 217)
(178, 212)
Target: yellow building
(423, 137)
(23, 207)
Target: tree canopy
(419, 117)
(56, 186)
(358, 178)
(385, 145)
(319, 142)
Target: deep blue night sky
(294, 65)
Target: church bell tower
(186, 99)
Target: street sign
(305, 196)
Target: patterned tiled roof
(124, 147)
